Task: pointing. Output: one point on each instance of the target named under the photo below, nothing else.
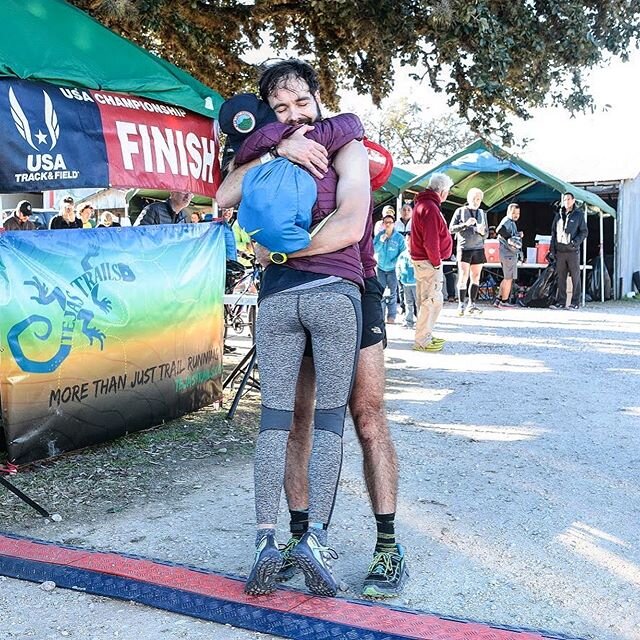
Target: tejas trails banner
(67, 138)
(105, 331)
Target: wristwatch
(278, 257)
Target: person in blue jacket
(388, 244)
(407, 278)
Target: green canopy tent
(502, 176)
(52, 41)
(505, 177)
(392, 189)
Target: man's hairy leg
(380, 462)
(296, 484)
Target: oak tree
(491, 57)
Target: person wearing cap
(388, 245)
(169, 211)
(387, 210)
(281, 223)
(85, 211)
(66, 219)
(19, 221)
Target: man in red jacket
(430, 244)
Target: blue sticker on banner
(52, 138)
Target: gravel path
(520, 490)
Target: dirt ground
(519, 502)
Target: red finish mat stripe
(363, 615)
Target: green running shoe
(432, 346)
(289, 568)
(267, 563)
(387, 574)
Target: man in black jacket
(568, 231)
(167, 211)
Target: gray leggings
(331, 315)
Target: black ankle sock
(299, 522)
(462, 295)
(473, 292)
(385, 524)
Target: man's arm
(583, 229)
(296, 148)
(229, 193)
(353, 196)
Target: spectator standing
(19, 221)
(407, 278)
(568, 232)
(430, 244)
(387, 210)
(470, 226)
(388, 244)
(195, 217)
(229, 239)
(85, 211)
(403, 225)
(107, 219)
(510, 240)
(244, 244)
(66, 219)
(169, 211)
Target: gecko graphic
(73, 308)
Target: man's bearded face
(294, 103)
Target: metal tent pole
(584, 264)
(601, 257)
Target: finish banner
(107, 331)
(67, 138)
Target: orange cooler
(492, 251)
(542, 249)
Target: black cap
(24, 207)
(68, 200)
(243, 114)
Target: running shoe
(574, 307)
(437, 340)
(315, 561)
(460, 310)
(386, 575)
(556, 306)
(473, 309)
(432, 346)
(267, 563)
(289, 568)
(497, 303)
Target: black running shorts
(472, 256)
(373, 330)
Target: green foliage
(491, 57)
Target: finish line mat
(217, 597)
